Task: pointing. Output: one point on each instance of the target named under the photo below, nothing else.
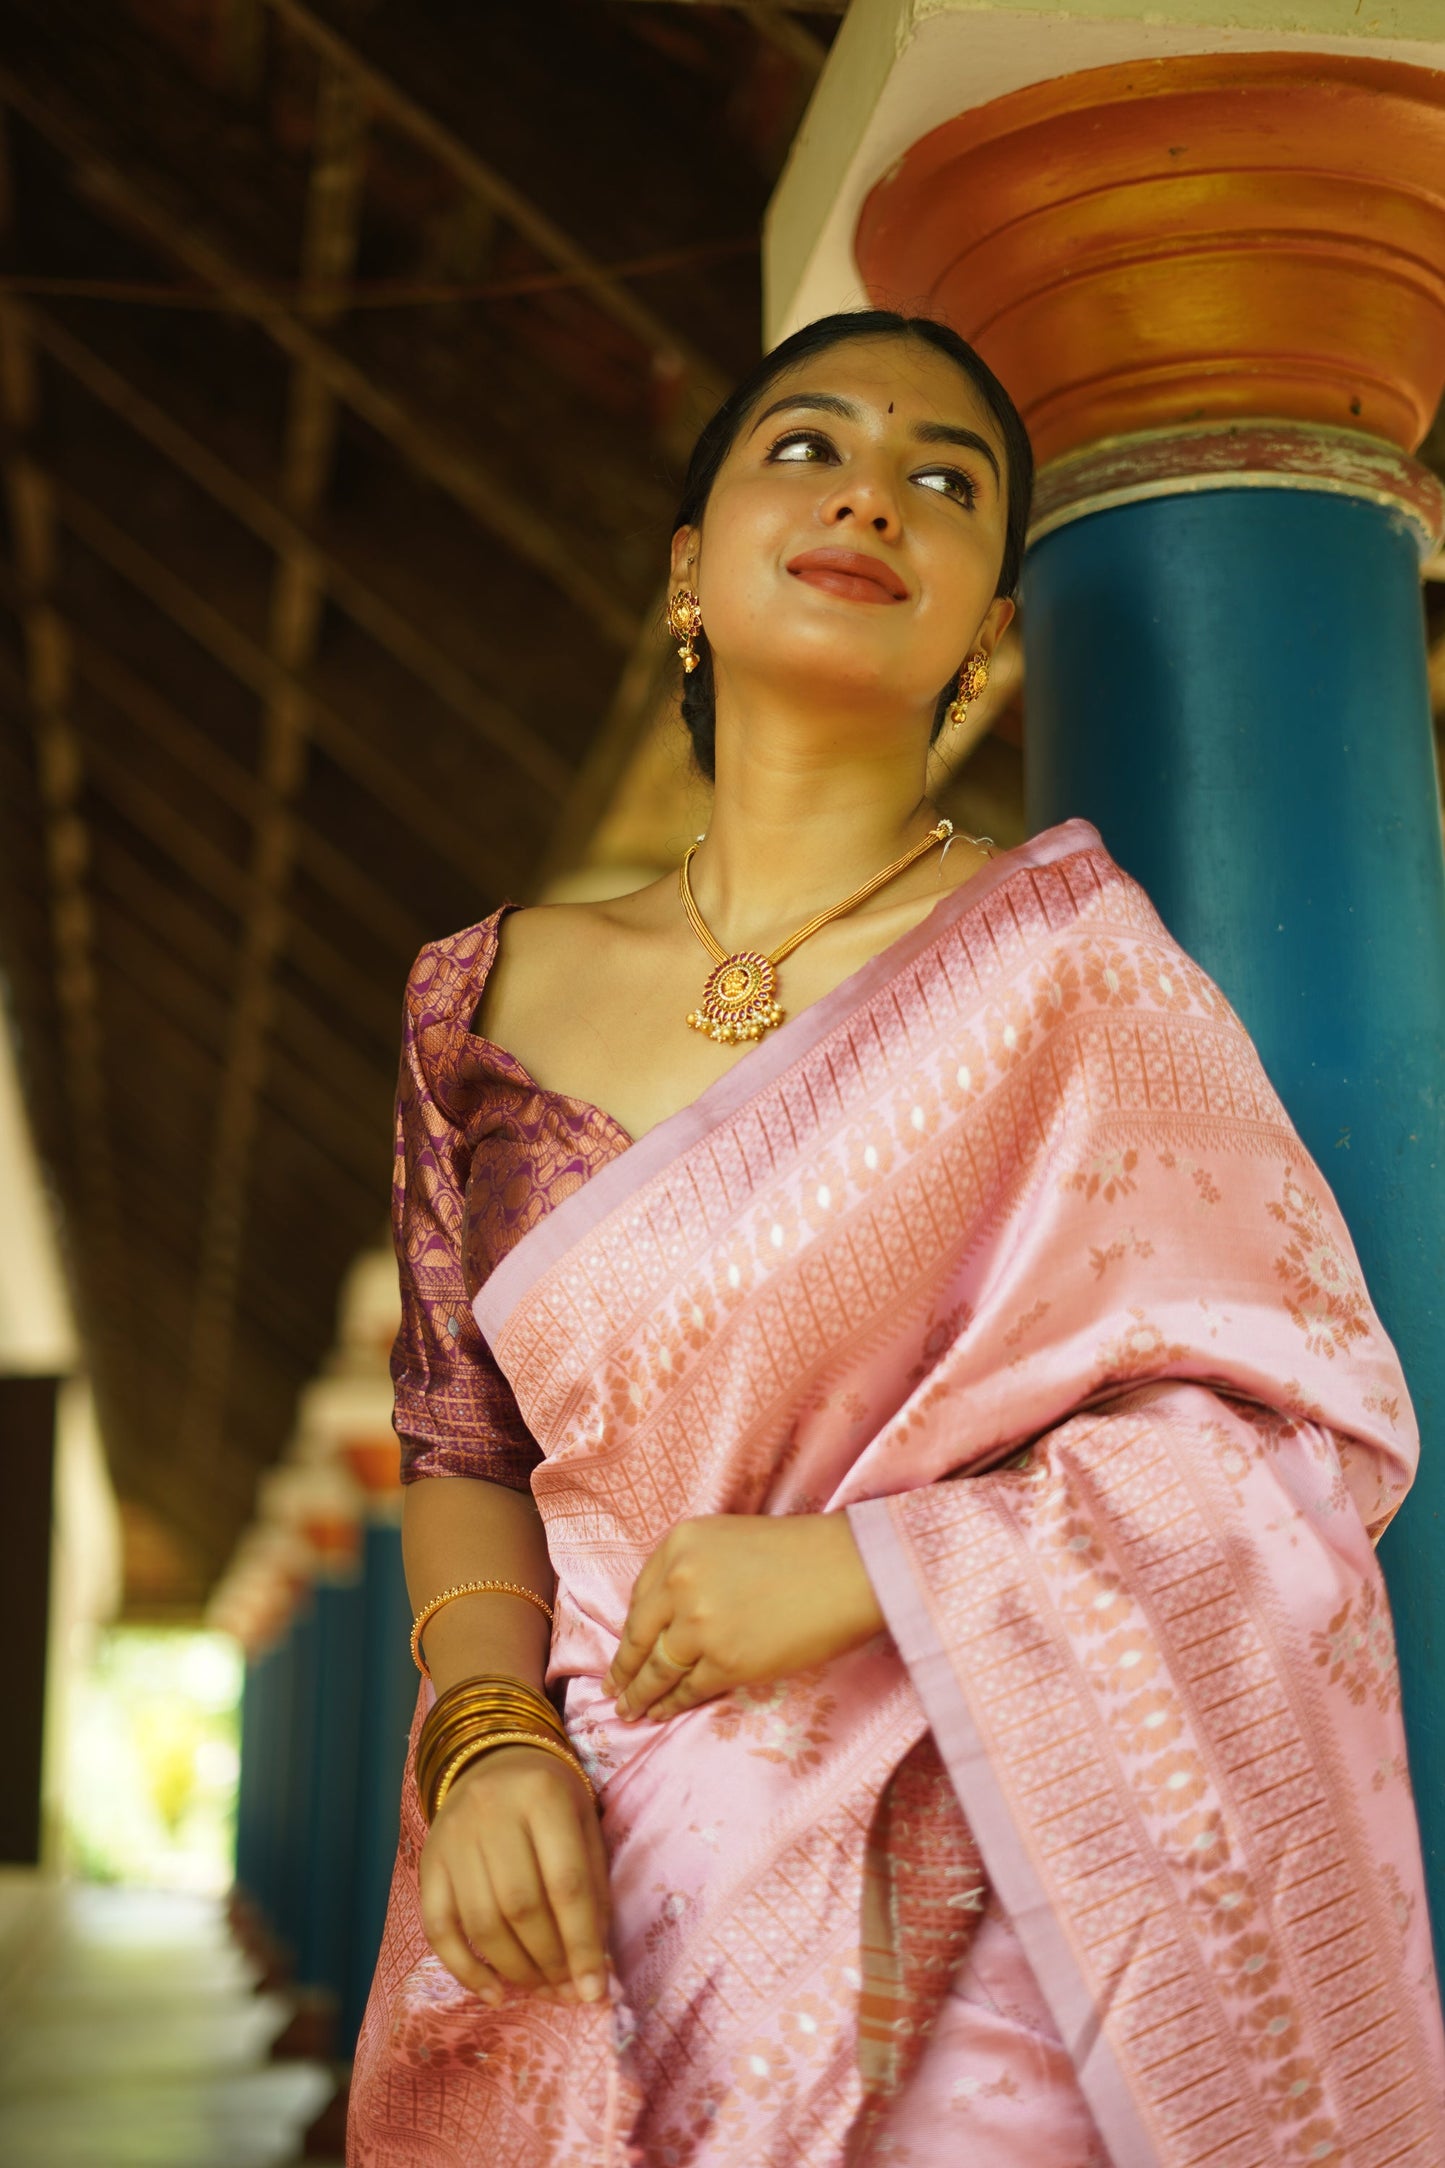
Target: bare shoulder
(546, 948)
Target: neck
(797, 822)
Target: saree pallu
(1103, 1853)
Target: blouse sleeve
(454, 1411)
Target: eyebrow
(923, 432)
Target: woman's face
(851, 467)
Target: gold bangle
(466, 1588)
(486, 1696)
(474, 1707)
(478, 1747)
(437, 1747)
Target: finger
(490, 1932)
(568, 1873)
(520, 1892)
(699, 1686)
(463, 1964)
(646, 1617)
(704, 1682)
(658, 1677)
(447, 1940)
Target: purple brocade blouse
(482, 1154)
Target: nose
(868, 496)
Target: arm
(513, 1874)
(463, 1528)
(514, 1870)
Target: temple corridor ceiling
(349, 355)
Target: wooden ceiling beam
(268, 1306)
(271, 522)
(219, 878)
(167, 727)
(248, 661)
(194, 965)
(96, 1241)
(147, 811)
(203, 1524)
(356, 1157)
(509, 202)
(328, 253)
(241, 45)
(374, 907)
(144, 202)
(776, 27)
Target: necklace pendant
(738, 1001)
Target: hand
(739, 1599)
(514, 1877)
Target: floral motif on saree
(1104, 1852)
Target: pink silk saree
(1103, 1854)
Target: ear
(996, 620)
(684, 545)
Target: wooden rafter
(147, 204)
(328, 255)
(253, 665)
(778, 28)
(271, 522)
(219, 878)
(98, 1247)
(374, 906)
(243, 1026)
(510, 203)
(200, 960)
(354, 1151)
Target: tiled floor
(131, 2037)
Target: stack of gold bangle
(473, 1717)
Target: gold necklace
(739, 999)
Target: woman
(948, 1422)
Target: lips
(849, 572)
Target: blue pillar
(1231, 684)
(327, 1837)
(251, 1776)
(297, 1776)
(268, 1809)
(389, 1699)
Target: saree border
(1105, 2086)
(668, 1141)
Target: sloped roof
(349, 355)
(348, 358)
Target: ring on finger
(660, 1649)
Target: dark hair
(720, 434)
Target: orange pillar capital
(1166, 243)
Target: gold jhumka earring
(684, 619)
(972, 679)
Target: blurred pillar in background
(318, 1596)
(27, 1454)
(258, 1602)
(1214, 282)
(390, 1699)
(60, 1575)
(314, 1501)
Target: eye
(964, 491)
